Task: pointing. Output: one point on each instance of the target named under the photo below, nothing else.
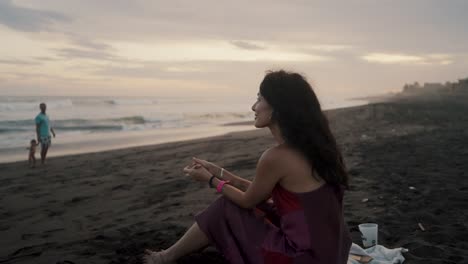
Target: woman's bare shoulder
(297, 171)
(283, 155)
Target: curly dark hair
(303, 125)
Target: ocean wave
(130, 120)
(130, 102)
(220, 115)
(13, 129)
(30, 105)
(122, 123)
(90, 127)
(128, 123)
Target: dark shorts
(45, 141)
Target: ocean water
(88, 124)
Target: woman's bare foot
(156, 257)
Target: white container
(369, 234)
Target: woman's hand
(197, 172)
(211, 167)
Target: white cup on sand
(369, 234)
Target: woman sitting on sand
(304, 174)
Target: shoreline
(97, 144)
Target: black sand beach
(407, 157)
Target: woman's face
(262, 111)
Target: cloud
(18, 62)
(28, 19)
(189, 70)
(183, 69)
(327, 48)
(87, 43)
(84, 48)
(76, 53)
(44, 58)
(386, 58)
(34, 77)
(147, 40)
(387, 25)
(246, 45)
(156, 70)
(398, 58)
(210, 50)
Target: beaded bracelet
(220, 186)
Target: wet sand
(107, 207)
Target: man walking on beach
(42, 131)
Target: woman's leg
(237, 233)
(193, 240)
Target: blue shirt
(43, 121)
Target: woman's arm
(266, 177)
(234, 180)
(221, 173)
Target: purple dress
(296, 228)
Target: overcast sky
(346, 48)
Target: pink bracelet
(219, 188)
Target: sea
(91, 124)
